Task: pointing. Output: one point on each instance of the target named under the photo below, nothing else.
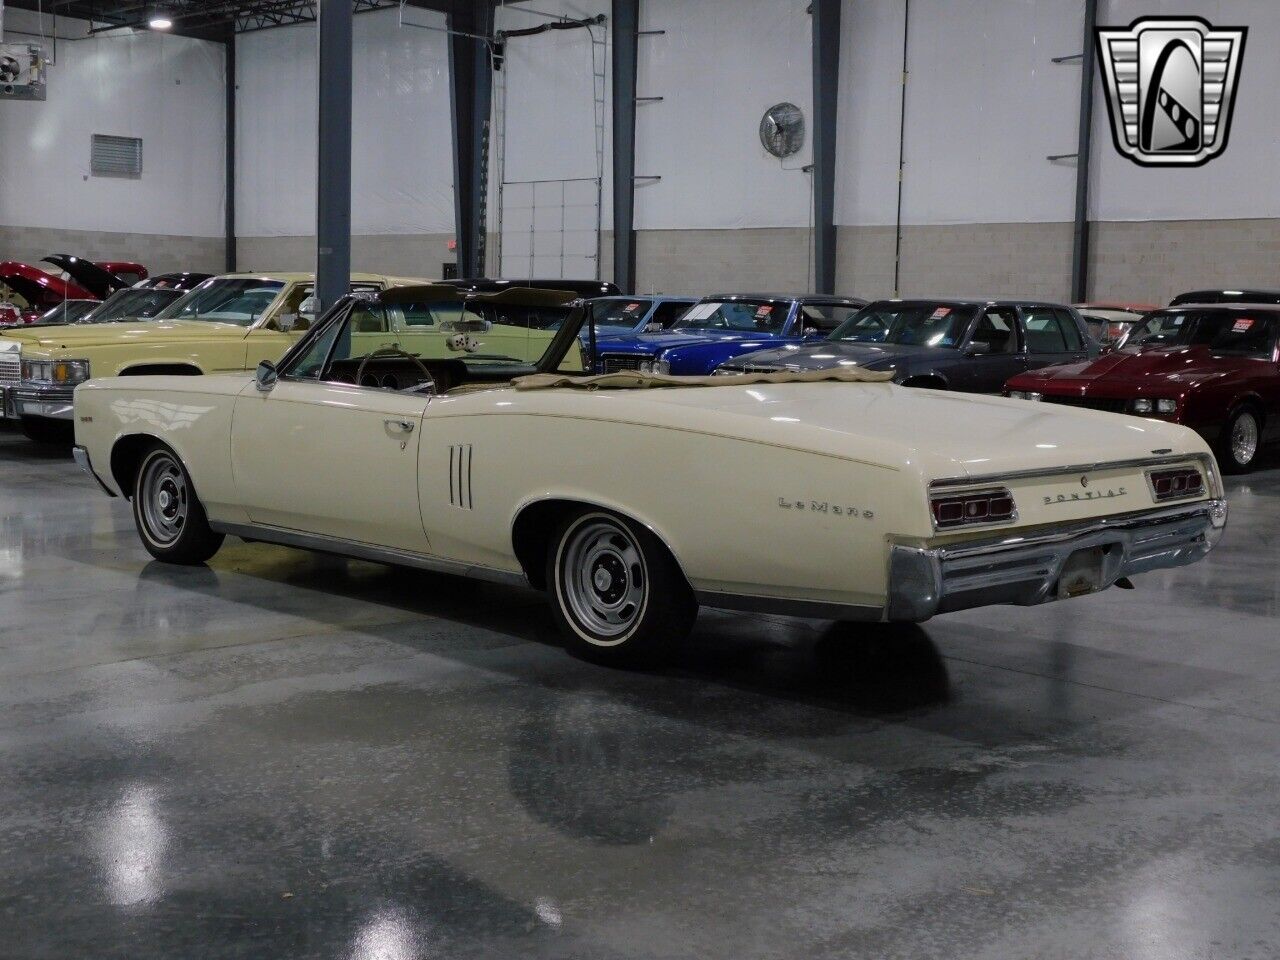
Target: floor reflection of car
(968, 345)
(1212, 367)
(852, 497)
(1109, 323)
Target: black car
(1226, 296)
(583, 288)
(185, 280)
(969, 345)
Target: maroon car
(1212, 367)
(41, 291)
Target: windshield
(69, 311)
(238, 300)
(743, 316)
(1234, 332)
(141, 303)
(910, 323)
(612, 316)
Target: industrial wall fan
(782, 130)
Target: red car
(41, 291)
(1212, 367)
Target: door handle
(402, 426)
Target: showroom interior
(639, 478)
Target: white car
(632, 498)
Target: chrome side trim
(784, 606)
(81, 456)
(924, 581)
(366, 551)
(1210, 468)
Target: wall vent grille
(115, 156)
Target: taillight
(1176, 484)
(972, 508)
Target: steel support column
(333, 180)
(1080, 239)
(626, 32)
(471, 91)
(826, 88)
(229, 214)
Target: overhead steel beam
(626, 33)
(1080, 237)
(471, 98)
(333, 179)
(229, 212)
(826, 89)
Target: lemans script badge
(1171, 86)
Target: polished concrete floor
(284, 755)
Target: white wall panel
(985, 106)
(402, 167)
(1243, 182)
(720, 66)
(167, 90)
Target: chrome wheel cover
(163, 499)
(603, 580)
(1244, 439)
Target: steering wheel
(383, 352)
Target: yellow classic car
(227, 323)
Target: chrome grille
(613, 362)
(10, 368)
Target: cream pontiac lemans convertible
(632, 498)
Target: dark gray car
(969, 345)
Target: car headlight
(662, 366)
(62, 372)
(1032, 395)
(1166, 406)
(1142, 406)
(1018, 394)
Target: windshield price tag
(764, 310)
(1242, 325)
(701, 311)
(631, 308)
(940, 313)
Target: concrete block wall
(158, 253)
(403, 256)
(710, 261)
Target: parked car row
(471, 432)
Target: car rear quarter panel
(739, 516)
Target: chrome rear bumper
(1024, 570)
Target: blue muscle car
(721, 327)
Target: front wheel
(170, 518)
(1238, 445)
(616, 592)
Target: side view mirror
(976, 349)
(265, 376)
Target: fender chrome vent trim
(460, 476)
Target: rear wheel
(1240, 440)
(49, 431)
(170, 518)
(616, 591)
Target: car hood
(70, 336)
(1142, 368)
(654, 343)
(828, 353)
